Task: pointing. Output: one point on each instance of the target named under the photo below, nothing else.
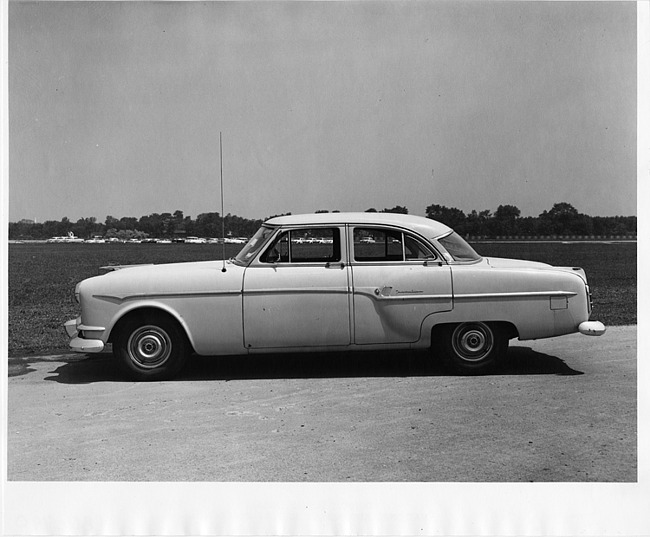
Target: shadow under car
(358, 364)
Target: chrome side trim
(312, 290)
(139, 296)
(524, 294)
(406, 297)
(468, 296)
(299, 291)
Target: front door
(398, 280)
(297, 294)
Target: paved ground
(559, 410)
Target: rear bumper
(592, 328)
(80, 344)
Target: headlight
(76, 292)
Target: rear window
(458, 248)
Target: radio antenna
(223, 218)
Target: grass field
(42, 278)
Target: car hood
(201, 277)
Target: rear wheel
(473, 347)
(151, 347)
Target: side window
(375, 244)
(414, 249)
(305, 245)
(278, 251)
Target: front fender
(206, 302)
(213, 324)
(142, 307)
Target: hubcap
(149, 347)
(473, 341)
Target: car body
(417, 285)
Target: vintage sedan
(375, 281)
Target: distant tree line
(561, 220)
(165, 225)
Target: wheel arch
(472, 347)
(508, 328)
(150, 310)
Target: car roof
(424, 226)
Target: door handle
(384, 291)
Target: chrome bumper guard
(592, 328)
(71, 327)
(79, 344)
(86, 345)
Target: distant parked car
(97, 239)
(418, 285)
(235, 240)
(69, 238)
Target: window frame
(449, 256)
(285, 233)
(404, 235)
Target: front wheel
(150, 348)
(473, 347)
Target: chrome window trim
(423, 241)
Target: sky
(116, 108)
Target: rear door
(398, 279)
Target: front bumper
(592, 328)
(75, 330)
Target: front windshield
(458, 249)
(254, 245)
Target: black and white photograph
(324, 267)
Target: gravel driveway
(559, 410)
